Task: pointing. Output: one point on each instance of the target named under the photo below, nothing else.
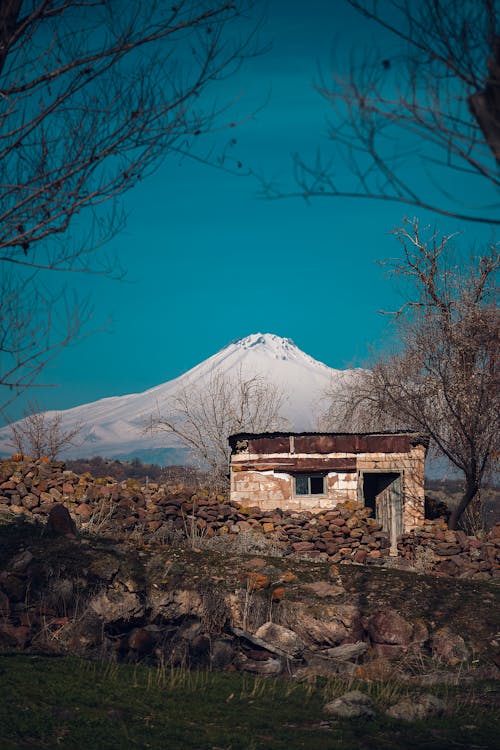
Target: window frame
(309, 475)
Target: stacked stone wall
(345, 533)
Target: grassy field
(61, 702)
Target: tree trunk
(9, 12)
(470, 492)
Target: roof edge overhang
(415, 438)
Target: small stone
(60, 521)
(352, 705)
(449, 647)
(84, 511)
(257, 581)
(417, 709)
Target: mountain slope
(114, 427)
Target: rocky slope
(175, 577)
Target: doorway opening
(382, 493)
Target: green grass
(63, 702)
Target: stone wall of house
(275, 489)
(269, 488)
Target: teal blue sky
(209, 261)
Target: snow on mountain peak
(270, 341)
(114, 426)
(273, 346)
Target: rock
(267, 667)
(352, 705)
(60, 521)
(320, 632)
(324, 588)
(418, 708)
(141, 640)
(302, 546)
(347, 651)
(282, 638)
(449, 647)
(320, 666)
(104, 568)
(221, 654)
(20, 562)
(390, 627)
(257, 581)
(113, 606)
(84, 511)
(278, 594)
(171, 605)
(30, 501)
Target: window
(309, 484)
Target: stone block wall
(261, 478)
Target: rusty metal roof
(330, 442)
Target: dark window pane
(301, 484)
(317, 485)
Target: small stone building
(314, 471)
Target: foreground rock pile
(159, 513)
(95, 598)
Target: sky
(208, 260)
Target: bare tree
(93, 95)
(419, 116)
(442, 375)
(203, 416)
(38, 434)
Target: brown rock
(278, 594)
(141, 641)
(60, 521)
(302, 546)
(280, 637)
(30, 501)
(449, 647)
(324, 588)
(84, 511)
(257, 581)
(390, 627)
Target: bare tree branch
(40, 435)
(432, 102)
(203, 416)
(442, 375)
(93, 95)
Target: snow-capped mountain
(114, 427)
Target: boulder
(114, 606)
(281, 638)
(390, 627)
